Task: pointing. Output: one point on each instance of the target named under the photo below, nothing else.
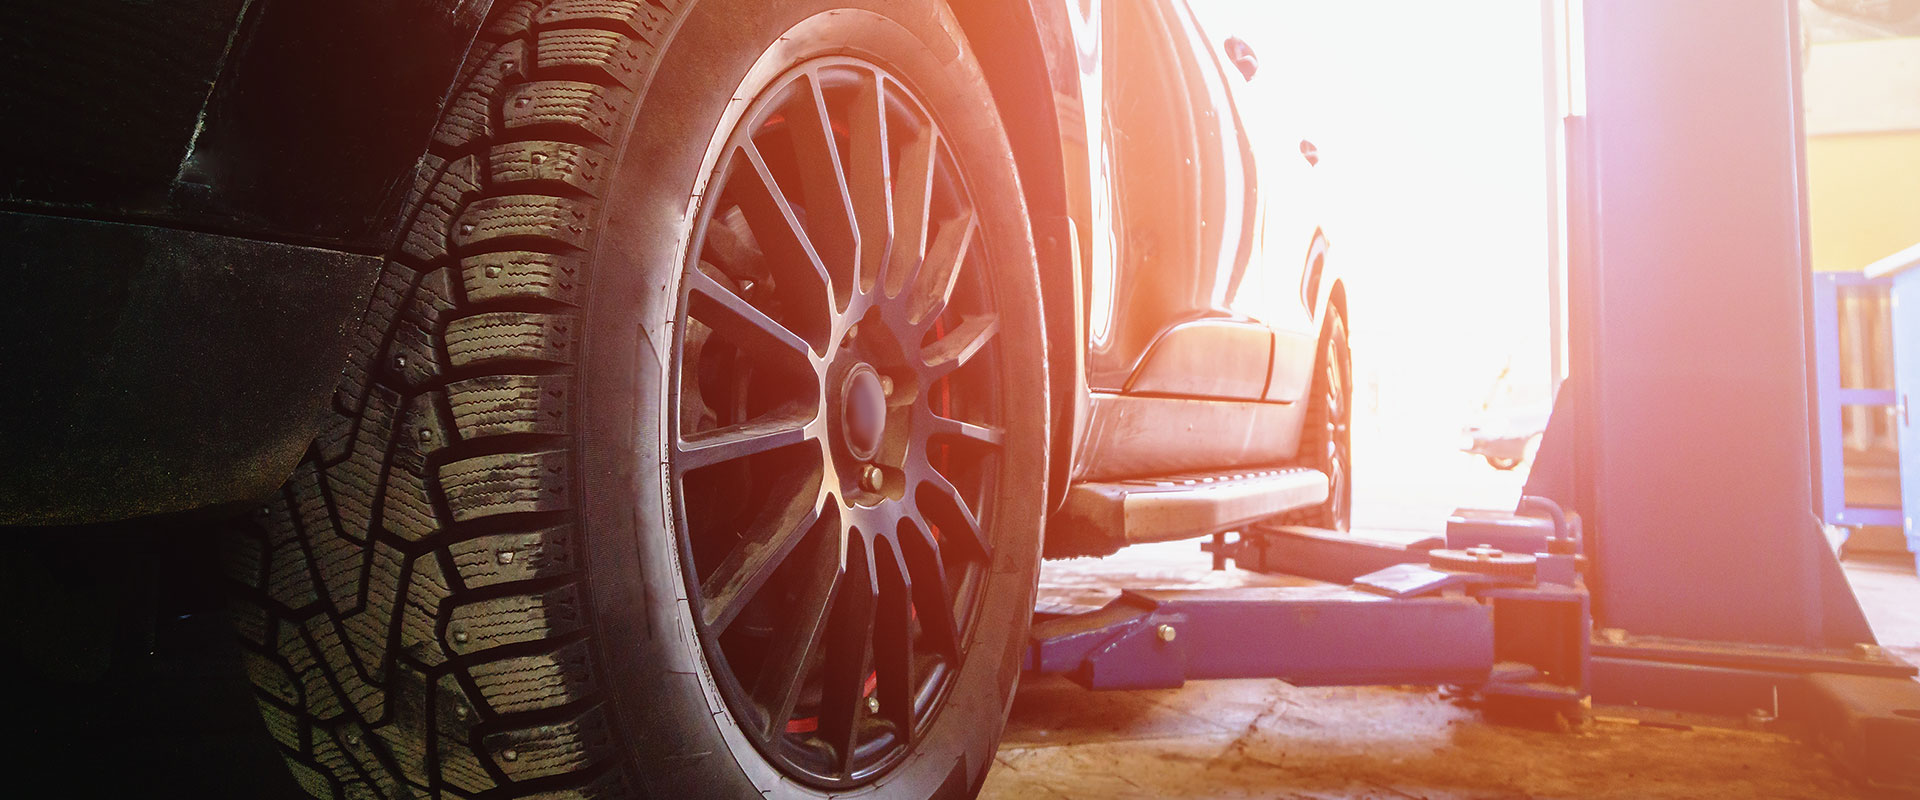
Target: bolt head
(872, 479)
(886, 386)
(873, 705)
(1166, 633)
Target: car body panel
(1135, 436)
(1200, 214)
(1171, 264)
(282, 120)
(1220, 358)
(193, 209)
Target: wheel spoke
(870, 178)
(797, 641)
(848, 652)
(947, 426)
(763, 547)
(938, 499)
(893, 642)
(829, 204)
(749, 328)
(961, 344)
(740, 440)
(789, 250)
(932, 600)
(912, 200)
(932, 286)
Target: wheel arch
(1026, 49)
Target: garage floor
(1265, 739)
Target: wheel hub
(863, 412)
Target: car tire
(1326, 438)
(650, 474)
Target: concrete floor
(1265, 739)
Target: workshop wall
(1862, 102)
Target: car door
(1179, 191)
(1281, 286)
(1208, 252)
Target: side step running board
(1099, 518)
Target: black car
(608, 398)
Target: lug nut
(872, 478)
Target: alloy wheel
(837, 430)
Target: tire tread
(408, 603)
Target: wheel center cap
(863, 412)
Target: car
(607, 398)
(1507, 427)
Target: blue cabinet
(1903, 269)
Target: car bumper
(1504, 447)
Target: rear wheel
(682, 454)
(1326, 439)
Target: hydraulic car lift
(1699, 581)
(1512, 625)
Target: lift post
(1686, 440)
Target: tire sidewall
(673, 722)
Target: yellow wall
(1863, 196)
(1862, 100)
